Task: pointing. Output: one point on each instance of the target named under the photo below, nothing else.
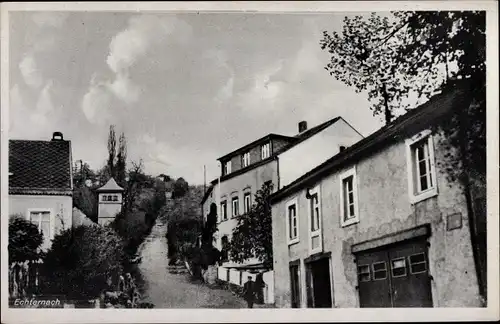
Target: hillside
(185, 207)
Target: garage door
(395, 276)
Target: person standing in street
(259, 287)
(249, 292)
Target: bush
(24, 240)
(132, 229)
(81, 261)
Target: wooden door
(373, 279)
(410, 278)
(295, 285)
(395, 276)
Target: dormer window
(246, 159)
(227, 167)
(265, 151)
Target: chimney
(57, 136)
(302, 126)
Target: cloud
(125, 50)
(30, 72)
(44, 42)
(44, 104)
(227, 91)
(31, 116)
(95, 103)
(141, 34)
(187, 162)
(261, 97)
(220, 61)
(16, 106)
(124, 89)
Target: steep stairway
(178, 268)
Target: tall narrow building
(110, 201)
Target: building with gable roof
(41, 184)
(380, 224)
(273, 158)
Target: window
(418, 263)
(246, 159)
(266, 151)
(379, 270)
(315, 218)
(315, 244)
(236, 206)
(349, 198)
(247, 203)
(42, 219)
(363, 273)
(292, 222)
(223, 210)
(115, 198)
(226, 168)
(421, 168)
(104, 198)
(398, 267)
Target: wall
(108, 209)
(61, 208)
(315, 150)
(278, 144)
(384, 208)
(256, 153)
(79, 218)
(250, 181)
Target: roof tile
(40, 165)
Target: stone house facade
(378, 224)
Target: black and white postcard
(249, 161)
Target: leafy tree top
(406, 55)
(24, 240)
(252, 237)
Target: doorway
(319, 291)
(395, 276)
(295, 284)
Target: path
(166, 290)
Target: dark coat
(249, 290)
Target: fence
(24, 278)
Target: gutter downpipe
(278, 171)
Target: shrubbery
(190, 240)
(24, 240)
(132, 229)
(81, 261)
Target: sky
(185, 88)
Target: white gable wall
(315, 150)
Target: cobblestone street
(167, 290)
